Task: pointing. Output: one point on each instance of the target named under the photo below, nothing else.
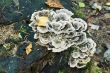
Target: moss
(92, 68)
(60, 71)
(78, 11)
(5, 2)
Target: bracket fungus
(80, 58)
(59, 31)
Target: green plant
(92, 68)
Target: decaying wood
(54, 3)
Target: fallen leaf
(29, 48)
(54, 3)
(108, 3)
(107, 8)
(95, 27)
(81, 4)
(107, 15)
(97, 6)
(42, 21)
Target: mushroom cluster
(59, 31)
(80, 57)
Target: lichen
(7, 32)
(61, 32)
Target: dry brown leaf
(54, 3)
(29, 48)
(42, 21)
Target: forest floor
(16, 34)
